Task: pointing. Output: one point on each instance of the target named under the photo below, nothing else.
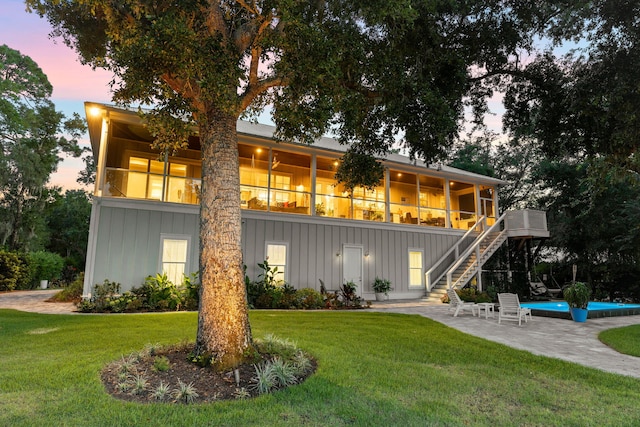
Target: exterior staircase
(465, 259)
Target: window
(174, 257)
(463, 205)
(332, 199)
(415, 268)
(276, 256)
(403, 191)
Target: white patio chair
(456, 303)
(510, 309)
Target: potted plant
(381, 287)
(577, 296)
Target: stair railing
(433, 275)
(474, 247)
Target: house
(145, 214)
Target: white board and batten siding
(126, 247)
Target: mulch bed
(209, 384)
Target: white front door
(352, 266)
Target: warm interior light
(259, 150)
(399, 174)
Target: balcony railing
(150, 186)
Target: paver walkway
(558, 338)
(545, 336)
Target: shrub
(309, 298)
(471, 294)
(121, 303)
(161, 364)
(46, 265)
(348, 297)
(73, 292)
(10, 270)
(159, 293)
(101, 297)
(264, 292)
(190, 292)
(284, 366)
(25, 279)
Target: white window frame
(187, 263)
(421, 275)
(287, 256)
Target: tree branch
(249, 8)
(253, 91)
(186, 89)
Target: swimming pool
(596, 309)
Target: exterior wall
(314, 246)
(124, 240)
(125, 245)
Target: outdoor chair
(540, 289)
(456, 303)
(510, 309)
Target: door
(352, 266)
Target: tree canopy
(33, 136)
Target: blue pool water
(563, 306)
(596, 309)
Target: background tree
(366, 70)
(33, 135)
(68, 224)
(580, 110)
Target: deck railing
(474, 249)
(439, 269)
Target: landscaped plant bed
(172, 375)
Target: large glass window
(276, 256)
(432, 201)
(415, 268)
(175, 252)
(144, 180)
(369, 205)
(403, 194)
(463, 205)
(254, 176)
(332, 200)
(290, 182)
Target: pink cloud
(29, 34)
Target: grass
(373, 369)
(625, 340)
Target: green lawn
(374, 369)
(625, 340)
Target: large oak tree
(367, 70)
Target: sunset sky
(72, 82)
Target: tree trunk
(223, 321)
